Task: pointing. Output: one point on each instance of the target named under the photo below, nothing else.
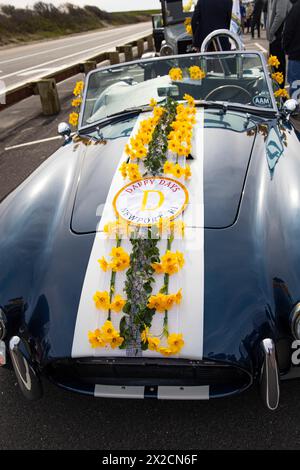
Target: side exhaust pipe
(27, 377)
(269, 379)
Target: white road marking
(30, 72)
(261, 47)
(69, 56)
(73, 45)
(25, 144)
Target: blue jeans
(294, 78)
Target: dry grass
(44, 20)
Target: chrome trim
(180, 56)
(3, 322)
(295, 314)
(27, 377)
(2, 353)
(269, 379)
(64, 130)
(222, 32)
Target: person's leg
(276, 49)
(258, 28)
(252, 27)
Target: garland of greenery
(138, 287)
(157, 150)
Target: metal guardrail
(46, 87)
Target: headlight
(2, 324)
(295, 321)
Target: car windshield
(237, 78)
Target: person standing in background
(208, 16)
(265, 12)
(249, 13)
(243, 16)
(256, 17)
(277, 13)
(291, 46)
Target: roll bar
(222, 32)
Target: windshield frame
(255, 109)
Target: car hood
(227, 148)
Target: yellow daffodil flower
(101, 300)
(118, 303)
(278, 77)
(176, 74)
(108, 329)
(178, 297)
(104, 265)
(77, 102)
(175, 342)
(144, 335)
(153, 103)
(78, 88)
(273, 61)
(196, 73)
(157, 268)
(96, 339)
(165, 351)
(116, 340)
(188, 172)
(178, 171)
(153, 343)
(73, 119)
(281, 93)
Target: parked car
(176, 38)
(239, 308)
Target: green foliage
(157, 150)
(138, 287)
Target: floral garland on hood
(160, 147)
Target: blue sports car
(157, 252)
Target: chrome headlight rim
(295, 321)
(3, 324)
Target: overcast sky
(108, 5)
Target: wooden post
(114, 57)
(87, 66)
(150, 43)
(140, 46)
(128, 53)
(47, 90)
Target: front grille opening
(147, 374)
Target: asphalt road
(63, 420)
(28, 62)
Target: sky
(108, 5)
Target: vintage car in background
(176, 38)
(240, 312)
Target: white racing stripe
(187, 318)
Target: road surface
(28, 62)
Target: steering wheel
(225, 87)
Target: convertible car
(156, 253)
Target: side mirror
(65, 131)
(290, 108)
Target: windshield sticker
(262, 101)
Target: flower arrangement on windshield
(277, 79)
(188, 26)
(76, 103)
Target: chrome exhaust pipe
(27, 376)
(269, 379)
